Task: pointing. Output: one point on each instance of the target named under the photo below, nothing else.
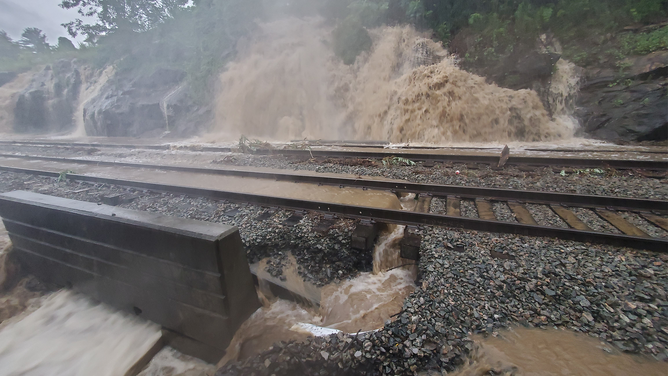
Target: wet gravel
(610, 183)
(544, 216)
(644, 225)
(503, 213)
(322, 258)
(618, 296)
(438, 206)
(596, 223)
(468, 209)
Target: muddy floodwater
(552, 352)
(68, 335)
(360, 304)
(4, 238)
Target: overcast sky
(16, 15)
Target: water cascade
(287, 84)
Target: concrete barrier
(189, 276)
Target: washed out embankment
(287, 84)
(363, 303)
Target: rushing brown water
(359, 304)
(68, 335)
(553, 352)
(9, 94)
(92, 83)
(287, 84)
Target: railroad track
(387, 145)
(420, 154)
(613, 210)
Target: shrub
(350, 39)
(644, 43)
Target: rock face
(147, 105)
(47, 104)
(613, 104)
(631, 106)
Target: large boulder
(628, 107)
(146, 105)
(48, 103)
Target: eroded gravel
(616, 295)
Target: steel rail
(495, 194)
(482, 159)
(384, 215)
(433, 157)
(388, 146)
(438, 190)
(162, 147)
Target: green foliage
(112, 15)
(476, 19)
(22, 55)
(63, 175)
(9, 50)
(443, 33)
(644, 43)
(369, 13)
(65, 45)
(416, 11)
(34, 39)
(493, 40)
(646, 10)
(350, 39)
(397, 161)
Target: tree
(34, 39)
(65, 44)
(8, 48)
(112, 15)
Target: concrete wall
(189, 276)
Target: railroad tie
(570, 218)
(659, 221)
(423, 204)
(453, 206)
(622, 224)
(485, 209)
(521, 213)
